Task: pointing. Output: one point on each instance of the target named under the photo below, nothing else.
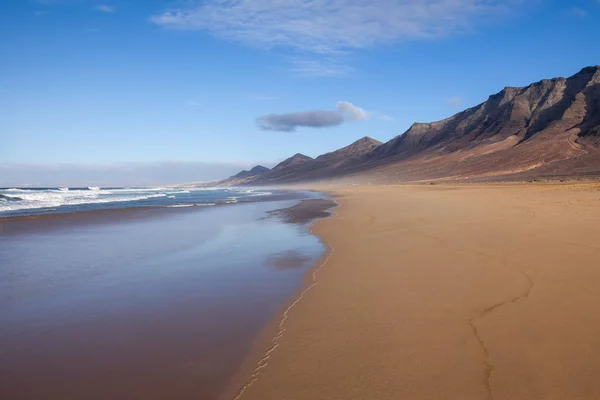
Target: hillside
(549, 128)
(257, 170)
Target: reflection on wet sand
(144, 305)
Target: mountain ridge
(550, 127)
(256, 170)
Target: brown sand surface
(446, 292)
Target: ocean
(36, 201)
(149, 294)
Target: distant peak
(587, 73)
(367, 140)
(296, 159)
(592, 69)
(259, 168)
(301, 156)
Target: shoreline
(266, 342)
(274, 277)
(466, 298)
(284, 194)
(21, 223)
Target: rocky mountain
(353, 151)
(294, 162)
(301, 167)
(257, 170)
(534, 129)
(549, 128)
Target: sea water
(141, 304)
(36, 201)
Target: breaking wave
(34, 201)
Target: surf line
(263, 362)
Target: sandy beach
(444, 292)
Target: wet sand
(443, 292)
(306, 211)
(142, 303)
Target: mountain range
(550, 128)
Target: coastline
(159, 263)
(28, 223)
(267, 342)
(470, 294)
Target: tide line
(263, 362)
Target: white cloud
(579, 12)
(330, 26)
(105, 8)
(350, 111)
(385, 117)
(454, 102)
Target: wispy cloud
(330, 26)
(194, 103)
(350, 111)
(105, 8)
(580, 11)
(454, 102)
(260, 96)
(40, 13)
(289, 122)
(316, 67)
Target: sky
(93, 90)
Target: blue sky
(87, 84)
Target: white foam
(191, 205)
(36, 199)
(260, 194)
(32, 199)
(178, 192)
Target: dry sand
(446, 292)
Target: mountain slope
(291, 163)
(551, 127)
(300, 167)
(357, 149)
(514, 131)
(257, 170)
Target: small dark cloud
(289, 122)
